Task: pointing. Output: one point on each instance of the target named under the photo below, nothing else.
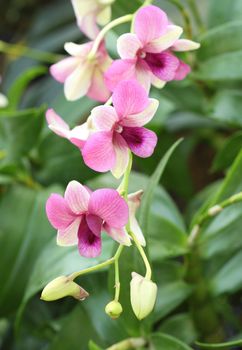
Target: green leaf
(150, 188)
(225, 157)
(225, 67)
(17, 89)
(226, 11)
(23, 232)
(219, 40)
(230, 345)
(93, 346)
(180, 326)
(166, 342)
(229, 277)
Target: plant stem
(92, 269)
(220, 345)
(186, 17)
(116, 270)
(104, 31)
(20, 50)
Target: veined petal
(110, 206)
(127, 45)
(163, 65)
(68, 236)
(98, 152)
(89, 245)
(142, 118)
(104, 117)
(94, 222)
(150, 23)
(57, 124)
(79, 50)
(62, 69)
(98, 90)
(119, 70)
(77, 197)
(58, 212)
(104, 16)
(134, 200)
(122, 156)
(120, 235)
(185, 45)
(129, 98)
(79, 82)
(141, 141)
(165, 41)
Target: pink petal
(118, 234)
(58, 212)
(129, 98)
(77, 197)
(150, 23)
(141, 141)
(78, 50)
(94, 223)
(80, 134)
(89, 245)
(163, 65)
(86, 12)
(127, 45)
(110, 206)
(104, 117)
(185, 45)
(118, 71)
(143, 117)
(182, 71)
(165, 41)
(57, 124)
(68, 236)
(98, 152)
(62, 69)
(143, 74)
(98, 90)
(122, 155)
(89, 27)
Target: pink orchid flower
(81, 73)
(81, 215)
(147, 55)
(89, 13)
(110, 132)
(120, 129)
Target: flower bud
(114, 309)
(143, 295)
(62, 287)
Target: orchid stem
(19, 50)
(116, 270)
(105, 30)
(92, 269)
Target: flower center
(118, 128)
(141, 54)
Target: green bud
(62, 287)
(143, 295)
(114, 309)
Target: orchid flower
(89, 13)
(3, 99)
(82, 74)
(147, 54)
(81, 215)
(134, 200)
(120, 129)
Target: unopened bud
(143, 295)
(114, 309)
(62, 287)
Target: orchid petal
(143, 74)
(185, 45)
(158, 83)
(110, 206)
(94, 222)
(163, 65)
(98, 90)
(127, 45)
(150, 23)
(119, 70)
(129, 98)
(165, 41)
(57, 124)
(122, 156)
(77, 197)
(120, 235)
(68, 237)
(134, 200)
(104, 16)
(58, 212)
(182, 71)
(141, 141)
(98, 152)
(80, 134)
(143, 117)
(79, 50)
(62, 69)
(104, 117)
(89, 245)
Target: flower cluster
(112, 133)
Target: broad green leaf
(225, 67)
(219, 40)
(167, 342)
(224, 12)
(229, 278)
(228, 153)
(93, 346)
(180, 326)
(24, 230)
